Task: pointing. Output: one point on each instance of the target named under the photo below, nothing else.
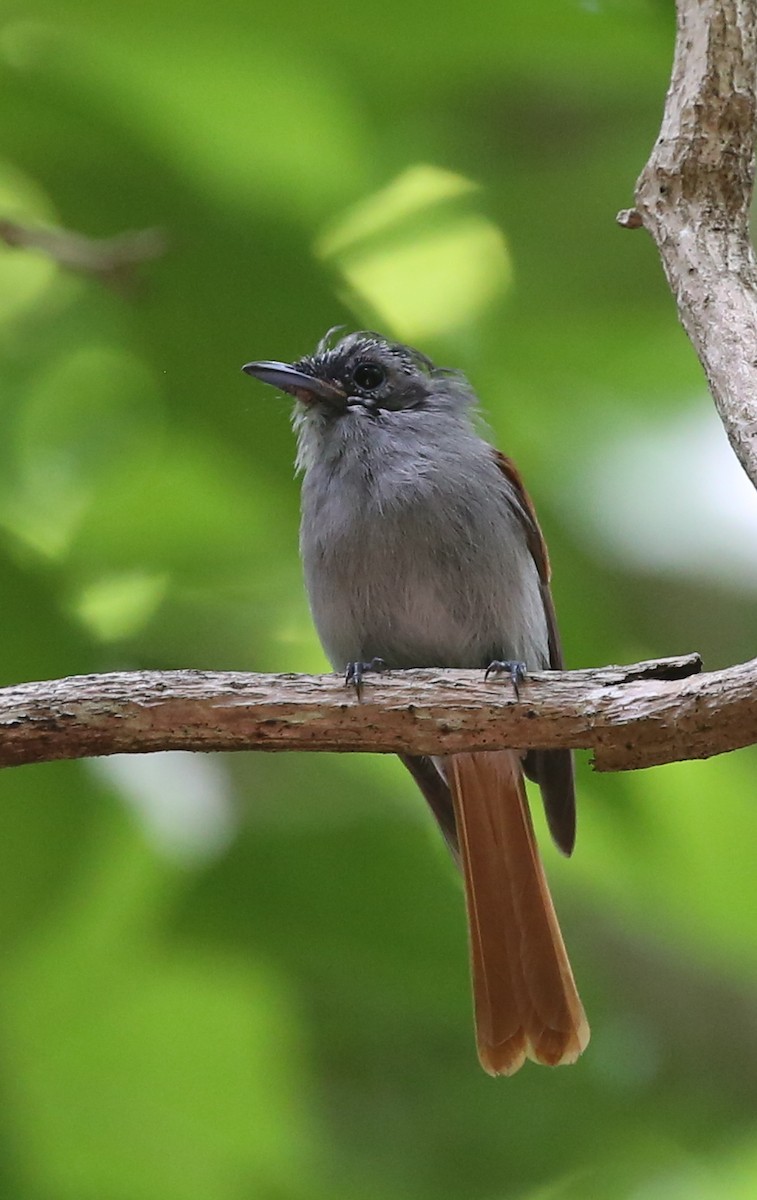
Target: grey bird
(421, 548)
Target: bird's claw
(353, 675)
(516, 671)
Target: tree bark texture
(635, 716)
(694, 197)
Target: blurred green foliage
(245, 978)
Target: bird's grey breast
(414, 552)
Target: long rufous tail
(525, 1000)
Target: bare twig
(635, 716)
(694, 194)
(113, 259)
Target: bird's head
(364, 374)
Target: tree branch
(636, 716)
(112, 259)
(694, 195)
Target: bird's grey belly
(407, 625)
(423, 601)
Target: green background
(227, 978)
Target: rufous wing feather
(525, 1000)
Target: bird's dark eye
(368, 376)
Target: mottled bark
(635, 716)
(694, 197)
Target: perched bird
(421, 548)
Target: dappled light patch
(84, 414)
(24, 278)
(418, 258)
(116, 606)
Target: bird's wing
(551, 769)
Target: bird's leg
(516, 670)
(353, 675)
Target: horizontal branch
(635, 716)
(113, 259)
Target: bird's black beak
(298, 383)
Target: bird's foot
(353, 675)
(516, 670)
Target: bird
(421, 548)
